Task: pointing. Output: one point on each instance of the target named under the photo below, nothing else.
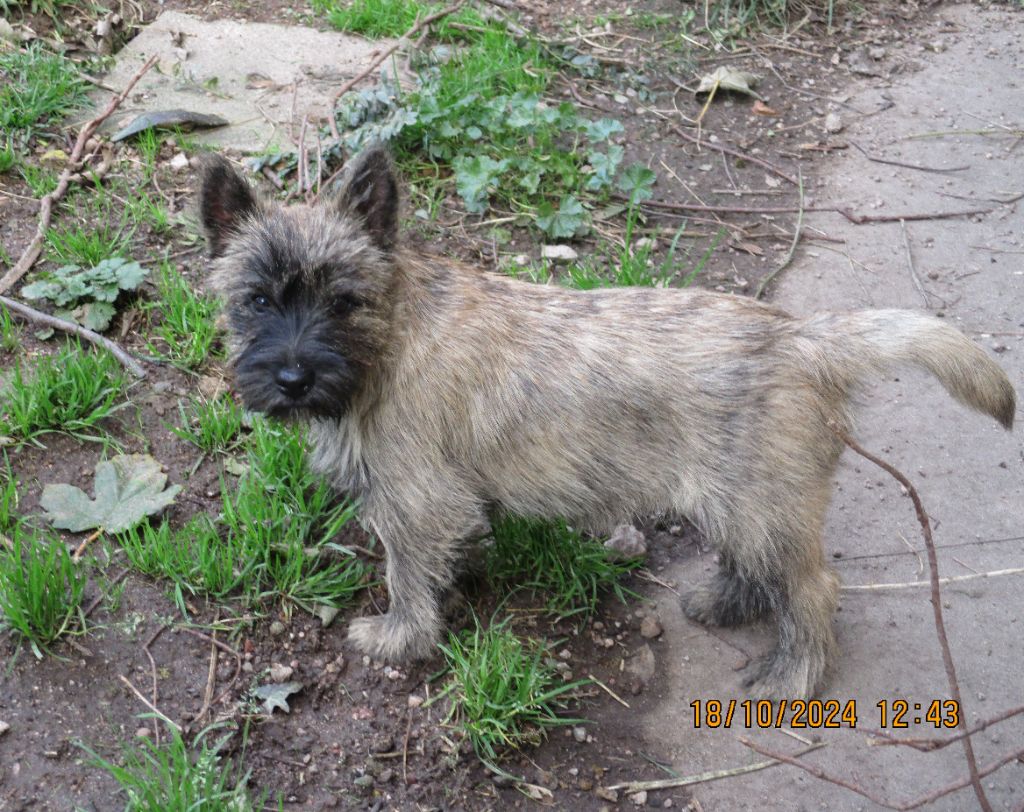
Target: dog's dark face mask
(306, 288)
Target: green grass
(272, 542)
(35, 88)
(503, 693)
(141, 208)
(39, 179)
(570, 571)
(187, 330)
(92, 238)
(72, 391)
(210, 425)
(10, 339)
(8, 158)
(173, 777)
(373, 18)
(40, 588)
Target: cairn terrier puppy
(436, 394)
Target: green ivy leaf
(604, 166)
(474, 177)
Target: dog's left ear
(369, 191)
(225, 200)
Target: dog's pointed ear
(369, 191)
(225, 200)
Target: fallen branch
(926, 745)
(34, 248)
(901, 807)
(940, 626)
(351, 83)
(949, 579)
(734, 152)
(890, 162)
(37, 316)
(702, 778)
(792, 246)
(856, 219)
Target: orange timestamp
(820, 714)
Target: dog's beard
(329, 395)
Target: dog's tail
(850, 348)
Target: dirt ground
(889, 73)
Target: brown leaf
(759, 108)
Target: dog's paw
(774, 678)
(701, 604)
(386, 638)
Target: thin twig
(148, 704)
(735, 153)
(608, 690)
(211, 681)
(228, 650)
(910, 265)
(701, 778)
(940, 626)
(35, 247)
(927, 745)
(405, 747)
(792, 246)
(430, 18)
(950, 579)
(99, 598)
(903, 807)
(37, 316)
(152, 671)
(81, 548)
(905, 165)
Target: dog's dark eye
(260, 301)
(345, 303)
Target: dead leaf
(536, 793)
(127, 488)
(276, 696)
(749, 248)
(759, 108)
(727, 78)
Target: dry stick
(903, 807)
(856, 219)
(701, 778)
(228, 650)
(99, 598)
(351, 83)
(890, 162)
(47, 320)
(34, 248)
(792, 246)
(926, 745)
(211, 682)
(940, 626)
(149, 704)
(81, 548)
(949, 579)
(910, 264)
(734, 152)
(608, 691)
(152, 670)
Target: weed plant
(72, 391)
(551, 559)
(9, 338)
(503, 693)
(173, 777)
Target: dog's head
(306, 288)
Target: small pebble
(579, 733)
(650, 627)
(639, 798)
(277, 628)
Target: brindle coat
(436, 394)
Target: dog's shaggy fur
(436, 394)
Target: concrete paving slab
(262, 78)
(970, 473)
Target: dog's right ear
(225, 200)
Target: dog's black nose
(294, 381)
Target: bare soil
(354, 717)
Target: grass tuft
(41, 588)
(72, 391)
(372, 18)
(173, 777)
(9, 337)
(36, 86)
(552, 559)
(211, 425)
(187, 329)
(503, 693)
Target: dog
(438, 394)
